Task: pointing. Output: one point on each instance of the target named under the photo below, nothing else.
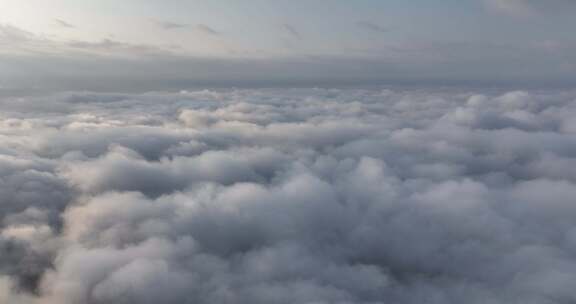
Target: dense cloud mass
(288, 196)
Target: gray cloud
(120, 65)
(292, 31)
(21, 46)
(201, 28)
(109, 45)
(167, 25)
(288, 196)
(64, 24)
(32, 60)
(12, 34)
(370, 26)
(206, 29)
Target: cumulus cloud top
(288, 196)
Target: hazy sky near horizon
(172, 43)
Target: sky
(106, 44)
(282, 152)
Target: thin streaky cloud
(62, 23)
(206, 29)
(290, 29)
(168, 25)
(373, 27)
(203, 28)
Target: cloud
(167, 25)
(11, 34)
(21, 45)
(32, 60)
(64, 24)
(370, 26)
(292, 31)
(288, 196)
(115, 46)
(201, 28)
(206, 29)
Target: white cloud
(288, 196)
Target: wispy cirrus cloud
(291, 30)
(110, 45)
(168, 25)
(17, 41)
(12, 34)
(202, 28)
(371, 26)
(64, 24)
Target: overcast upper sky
(127, 44)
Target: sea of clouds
(288, 196)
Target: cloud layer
(288, 196)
